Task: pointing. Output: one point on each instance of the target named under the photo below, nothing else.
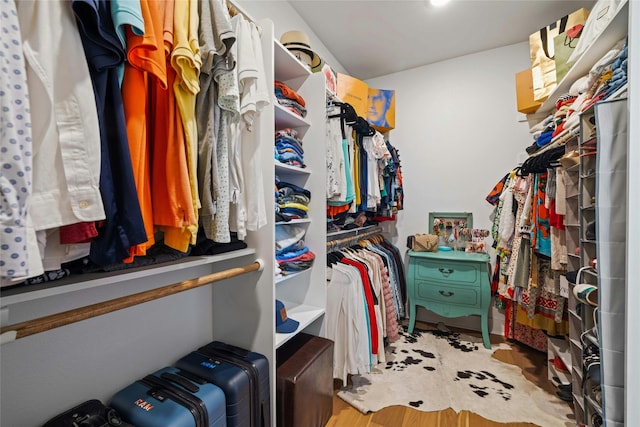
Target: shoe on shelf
(565, 387)
(586, 294)
(571, 276)
(569, 159)
(596, 394)
(590, 233)
(559, 364)
(593, 371)
(596, 420)
(565, 395)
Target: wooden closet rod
(46, 323)
(353, 238)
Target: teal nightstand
(451, 284)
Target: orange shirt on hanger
(146, 63)
(173, 211)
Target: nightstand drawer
(449, 271)
(453, 295)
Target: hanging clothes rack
(350, 240)
(559, 140)
(46, 323)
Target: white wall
(458, 134)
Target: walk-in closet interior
(213, 180)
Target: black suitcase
(243, 376)
(92, 413)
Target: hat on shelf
(284, 324)
(298, 44)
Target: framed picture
(381, 109)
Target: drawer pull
(446, 293)
(445, 271)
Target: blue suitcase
(171, 398)
(243, 376)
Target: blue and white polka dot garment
(15, 147)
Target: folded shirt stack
(288, 148)
(292, 201)
(290, 99)
(619, 73)
(292, 254)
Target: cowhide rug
(433, 371)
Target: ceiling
(376, 38)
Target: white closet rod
(46, 323)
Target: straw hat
(298, 43)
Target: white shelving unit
(304, 293)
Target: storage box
(304, 382)
(354, 92)
(524, 92)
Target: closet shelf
(287, 119)
(560, 349)
(295, 221)
(573, 169)
(591, 242)
(572, 225)
(614, 32)
(593, 404)
(81, 282)
(577, 372)
(574, 342)
(590, 272)
(574, 256)
(280, 279)
(588, 208)
(572, 196)
(620, 93)
(577, 397)
(305, 314)
(283, 168)
(287, 66)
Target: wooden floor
(532, 362)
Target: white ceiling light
(438, 2)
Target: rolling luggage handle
(180, 381)
(196, 406)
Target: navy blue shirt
(123, 226)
